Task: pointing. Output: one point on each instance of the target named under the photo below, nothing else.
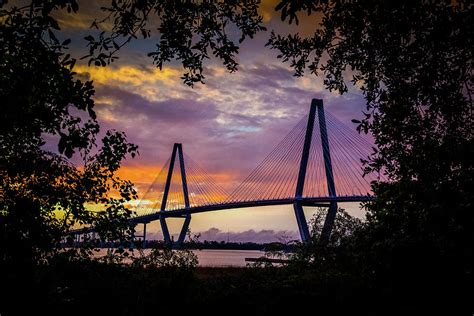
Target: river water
(225, 258)
(215, 257)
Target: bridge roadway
(305, 201)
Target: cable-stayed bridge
(318, 163)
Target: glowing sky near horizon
(227, 125)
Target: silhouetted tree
(344, 228)
(43, 193)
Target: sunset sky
(227, 125)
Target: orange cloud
(267, 10)
(128, 74)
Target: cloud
(131, 106)
(261, 236)
(227, 126)
(145, 80)
(257, 236)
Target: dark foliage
(189, 32)
(43, 193)
(93, 288)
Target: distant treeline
(205, 245)
(235, 245)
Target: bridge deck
(320, 201)
(306, 201)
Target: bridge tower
(316, 107)
(177, 149)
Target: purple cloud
(260, 236)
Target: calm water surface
(225, 258)
(216, 258)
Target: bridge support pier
(300, 218)
(184, 231)
(316, 105)
(168, 239)
(177, 149)
(301, 221)
(143, 236)
(332, 210)
(165, 231)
